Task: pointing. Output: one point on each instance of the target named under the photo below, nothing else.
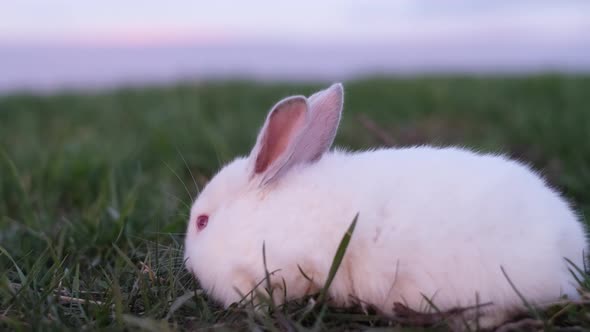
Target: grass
(95, 188)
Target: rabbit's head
(297, 132)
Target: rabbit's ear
(278, 138)
(325, 111)
(296, 131)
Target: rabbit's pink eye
(202, 221)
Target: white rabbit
(439, 223)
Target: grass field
(93, 202)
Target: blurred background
(73, 44)
(113, 115)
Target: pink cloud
(147, 37)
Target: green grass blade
(338, 257)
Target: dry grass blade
(77, 300)
(527, 324)
(376, 130)
(405, 315)
(179, 302)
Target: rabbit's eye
(202, 221)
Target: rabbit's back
(443, 223)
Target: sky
(72, 43)
(161, 22)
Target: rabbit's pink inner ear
(283, 126)
(325, 111)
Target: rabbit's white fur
(439, 223)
